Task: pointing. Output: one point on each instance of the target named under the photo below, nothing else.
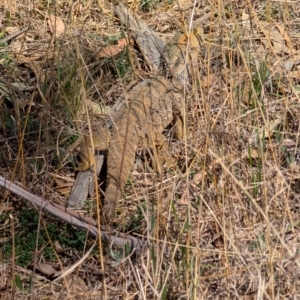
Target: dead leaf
(62, 187)
(286, 37)
(23, 87)
(253, 153)
(246, 20)
(122, 42)
(185, 198)
(58, 273)
(287, 65)
(266, 132)
(11, 29)
(145, 182)
(64, 190)
(208, 80)
(3, 207)
(36, 68)
(97, 108)
(111, 51)
(57, 26)
(5, 92)
(45, 269)
(61, 183)
(77, 284)
(198, 177)
(274, 39)
(183, 202)
(288, 142)
(58, 248)
(4, 240)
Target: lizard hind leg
(85, 158)
(161, 157)
(178, 128)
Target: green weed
(259, 79)
(25, 241)
(137, 217)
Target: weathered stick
(75, 219)
(84, 185)
(150, 44)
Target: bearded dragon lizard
(153, 104)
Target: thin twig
(13, 35)
(77, 264)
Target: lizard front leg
(85, 158)
(161, 155)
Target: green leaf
(297, 88)
(18, 282)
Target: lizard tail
(120, 159)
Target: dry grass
(227, 226)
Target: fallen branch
(13, 35)
(150, 44)
(75, 219)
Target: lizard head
(181, 54)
